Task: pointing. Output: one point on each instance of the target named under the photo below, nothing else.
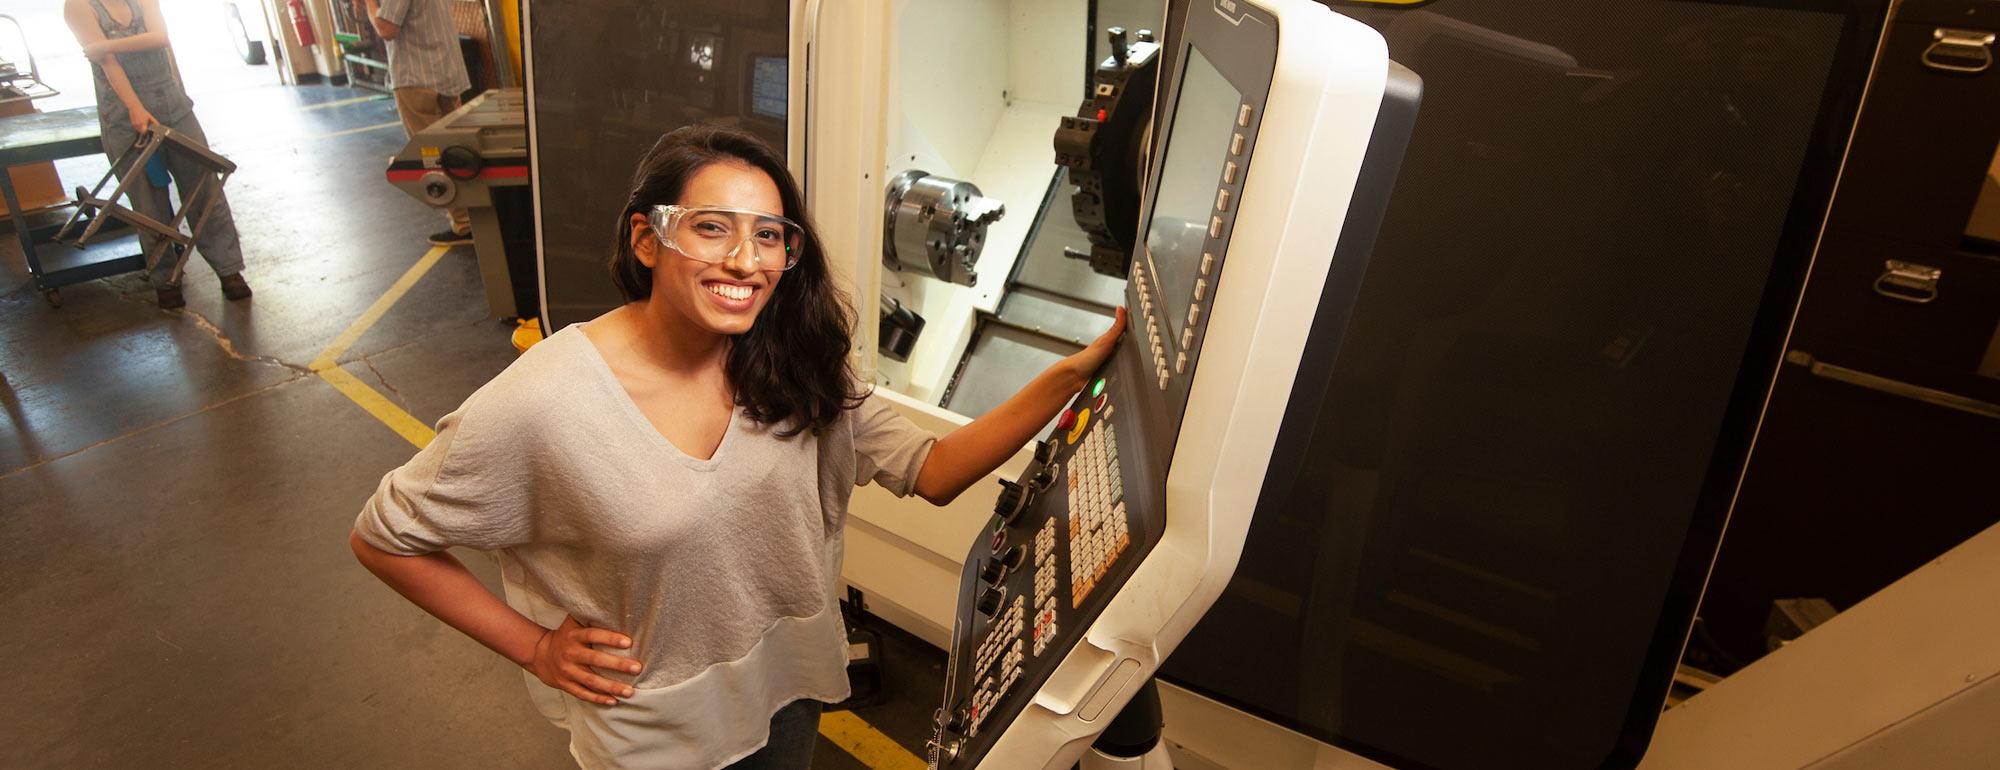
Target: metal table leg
(26, 233)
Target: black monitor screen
(1204, 119)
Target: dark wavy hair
(792, 366)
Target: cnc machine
(1442, 496)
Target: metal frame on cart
(48, 136)
(93, 207)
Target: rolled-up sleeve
(450, 494)
(888, 448)
(394, 11)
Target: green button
(1098, 389)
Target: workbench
(50, 136)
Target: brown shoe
(234, 287)
(170, 297)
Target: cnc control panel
(1071, 527)
(1089, 512)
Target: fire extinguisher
(301, 22)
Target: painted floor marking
(855, 736)
(344, 102)
(376, 127)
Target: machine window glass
(596, 108)
(767, 86)
(1479, 507)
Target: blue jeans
(794, 730)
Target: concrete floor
(176, 487)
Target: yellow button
(1082, 421)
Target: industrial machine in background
(594, 109)
(1279, 145)
(20, 77)
(1103, 149)
(1475, 505)
(476, 158)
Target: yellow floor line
(328, 358)
(327, 364)
(410, 428)
(343, 102)
(855, 736)
(376, 127)
(851, 733)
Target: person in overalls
(138, 86)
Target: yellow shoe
(527, 333)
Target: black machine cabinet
(1489, 514)
(1879, 447)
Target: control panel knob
(989, 600)
(1013, 499)
(1042, 472)
(994, 570)
(1013, 557)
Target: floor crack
(222, 339)
(400, 401)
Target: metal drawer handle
(1908, 281)
(1881, 384)
(1951, 46)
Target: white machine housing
(1312, 136)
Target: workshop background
(176, 485)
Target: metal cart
(48, 136)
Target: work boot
(450, 238)
(234, 287)
(170, 297)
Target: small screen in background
(768, 86)
(1204, 116)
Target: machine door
(1490, 514)
(1279, 139)
(605, 79)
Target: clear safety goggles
(717, 234)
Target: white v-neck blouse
(723, 571)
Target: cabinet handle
(1882, 384)
(1950, 46)
(1908, 281)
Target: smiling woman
(670, 548)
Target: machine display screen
(1204, 117)
(767, 86)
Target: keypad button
(1215, 227)
(1243, 116)
(1187, 338)
(1207, 262)
(1180, 363)
(1236, 145)
(1221, 200)
(1200, 289)
(1229, 172)
(1194, 314)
